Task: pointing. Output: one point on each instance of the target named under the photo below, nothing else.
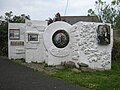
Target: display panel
(17, 43)
(32, 37)
(14, 34)
(103, 34)
(60, 38)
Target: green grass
(98, 80)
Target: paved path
(18, 77)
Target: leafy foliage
(116, 50)
(3, 39)
(56, 18)
(9, 17)
(117, 20)
(4, 20)
(108, 13)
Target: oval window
(60, 38)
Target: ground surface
(96, 80)
(17, 77)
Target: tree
(8, 17)
(56, 18)
(117, 20)
(3, 38)
(108, 13)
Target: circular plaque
(60, 38)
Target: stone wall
(85, 43)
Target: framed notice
(14, 34)
(32, 37)
(17, 43)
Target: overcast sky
(43, 9)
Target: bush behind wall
(116, 50)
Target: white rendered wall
(35, 50)
(90, 52)
(16, 52)
(56, 55)
(82, 48)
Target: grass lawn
(98, 80)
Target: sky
(43, 9)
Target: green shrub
(116, 50)
(4, 39)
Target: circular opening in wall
(60, 38)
